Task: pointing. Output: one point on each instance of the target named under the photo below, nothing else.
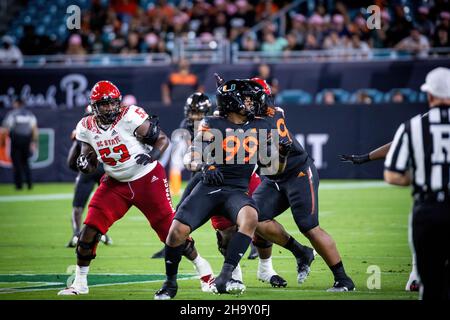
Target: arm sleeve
(81, 133)
(397, 159)
(134, 117)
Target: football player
(296, 188)
(224, 185)
(128, 142)
(197, 107)
(413, 283)
(84, 183)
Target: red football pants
(150, 194)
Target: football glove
(211, 175)
(355, 158)
(82, 162)
(146, 158)
(285, 147)
(143, 159)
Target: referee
(420, 156)
(23, 132)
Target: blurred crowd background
(37, 27)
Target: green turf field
(367, 219)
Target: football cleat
(304, 265)
(235, 287)
(106, 239)
(72, 243)
(413, 283)
(205, 283)
(73, 291)
(167, 292)
(414, 286)
(159, 254)
(275, 280)
(232, 286)
(342, 285)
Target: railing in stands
(243, 57)
(221, 52)
(95, 60)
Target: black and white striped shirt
(422, 145)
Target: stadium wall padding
(68, 87)
(325, 131)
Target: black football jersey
(189, 126)
(298, 155)
(240, 145)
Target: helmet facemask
(106, 110)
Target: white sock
(81, 276)
(237, 273)
(202, 266)
(265, 266)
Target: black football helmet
(197, 103)
(231, 96)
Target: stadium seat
(410, 95)
(293, 96)
(340, 95)
(375, 95)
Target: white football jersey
(117, 146)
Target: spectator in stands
(299, 28)
(329, 98)
(415, 43)
(272, 43)
(9, 53)
(133, 44)
(400, 28)
(423, 22)
(30, 43)
(334, 42)
(441, 38)
(266, 9)
(364, 98)
(75, 46)
(398, 97)
(162, 10)
(180, 84)
(292, 43)
(249, 42)
(97, 17)
(244, 11)
(311, 42)
(358, 45)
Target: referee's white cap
(437, 83)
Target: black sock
(295, 247)
(227, 270)
(172, 260)
(338, 271)
(236, 248)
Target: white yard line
(323, 186)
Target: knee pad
(189, 247)
(261, 242)
(91, 246)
